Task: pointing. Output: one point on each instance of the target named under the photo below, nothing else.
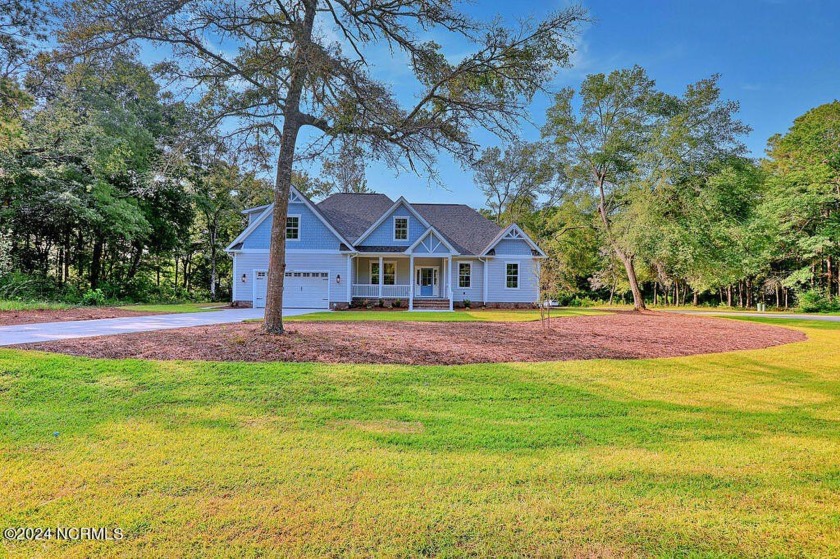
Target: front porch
(425, 280)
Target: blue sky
(776, 58)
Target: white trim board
(431, 230)
(270, 209)
(384, 216)
(514, 233)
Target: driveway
(49, 331)
(796, 316)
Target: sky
(777, 58)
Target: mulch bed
(613, 336)
(10, 318)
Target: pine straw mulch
(11, 318)
(623, 335)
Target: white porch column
(411, 282)
(451, 291)
(381, 277)
(349, 279)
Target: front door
(427, 280)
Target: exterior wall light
(244, 278)
(338, 278)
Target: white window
(464, 274)
(293, 228)
(389, 273)
(512, 275)
(400, 228)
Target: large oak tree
(277, 67)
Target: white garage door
(301, 290)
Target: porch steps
(431, 304)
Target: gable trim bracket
(514, 233)
(432, 231)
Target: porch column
(451, 291)
(349, 279)
(411, 282)
(381, 277)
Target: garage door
(301, 290)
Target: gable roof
(294, 192)
(468, 231)
(513, 231)
(429, 232)
(352, 214)
(401, 201)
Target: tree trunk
(729, 295)
(213, 265)
(283, 180)
(629, 267)
(695, 302)
(95, 263)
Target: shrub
(93, 297)
(816, 301)
(397, 303)
(467, 303)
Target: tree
(514, 181)
(346, 170)
(22, 28)
(804, 196)
(629, 143)
(278, 73)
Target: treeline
(107, 184)
(635, 184)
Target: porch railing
(371, 291)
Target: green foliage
(93, 298)
(813, 300)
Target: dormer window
(400, 228)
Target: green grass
(10, 305)
(175, 307)
(728, 455)
(489, 315)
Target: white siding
(247, 262)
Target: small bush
(93, 298)
(816, 301)
(467, 303)
(397, 303)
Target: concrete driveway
(48, 331)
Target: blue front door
(427, 282)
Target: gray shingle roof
(466, 229)
(352, 214)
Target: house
(367, 247)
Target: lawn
(175, 307)
(11, 305)
(726, 455)
(460, 315)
